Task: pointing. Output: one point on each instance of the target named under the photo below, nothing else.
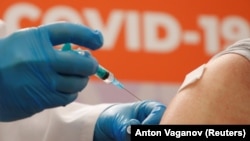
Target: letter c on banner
(15, 13)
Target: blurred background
(149, 45)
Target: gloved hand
(35, 76)
(113, 122)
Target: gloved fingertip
(160, 108)
(86, 53)
(99, 40)
(155, 115)
(132, 122)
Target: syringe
(102, 73)
(107, 77)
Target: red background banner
(153, 41)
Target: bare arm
(220, 96)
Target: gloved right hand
(34, 76)
(112, 124)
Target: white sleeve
(74, 122)
(241, 47)
(2, 29)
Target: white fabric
(75, 122)
(241, 47)
(2, 29)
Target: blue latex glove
(113, 122)
(35, 76)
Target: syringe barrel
(104, 74)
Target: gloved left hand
(34, 76)
(112, 124)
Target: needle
(131, 93)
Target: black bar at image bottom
(187, 132)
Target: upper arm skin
(220, 96)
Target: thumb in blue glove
(34, 76)
(112, 124)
